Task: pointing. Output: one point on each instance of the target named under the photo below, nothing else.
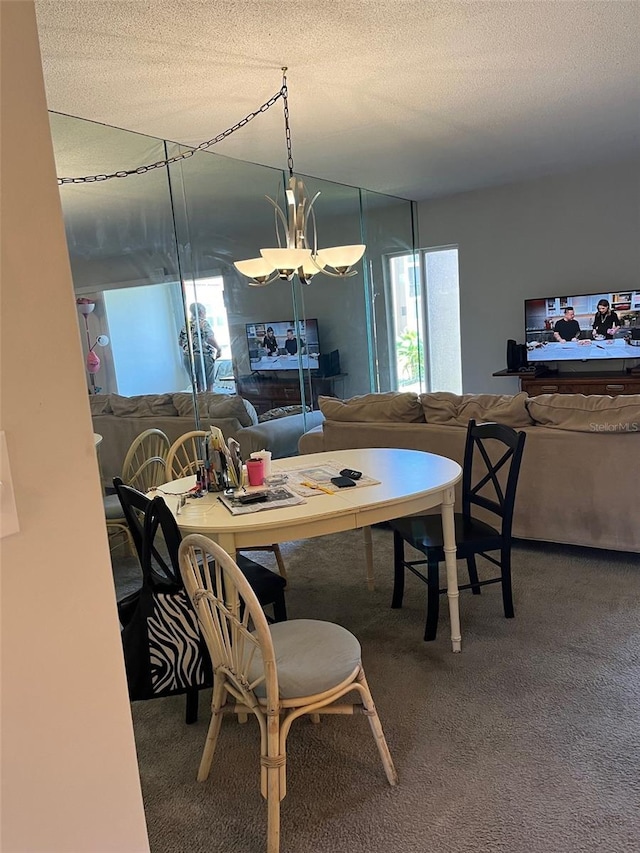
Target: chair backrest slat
(497, 450)
(186, 455)
(144, 464)
(231, 619)
(143, 524)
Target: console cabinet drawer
(611, 386)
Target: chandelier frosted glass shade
(341, 258)
(257, 269)
(287, 261)
(297, 252)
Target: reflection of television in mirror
(585, 344)
(286, 348)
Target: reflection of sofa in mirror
(120, 419)
(563, 495)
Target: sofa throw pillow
(281, 412)
(443, 407)
(142, 406)
(390, 406)
(595, 413)
(232, 406)
(100, 404)
(251, 411)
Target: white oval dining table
(410, 482)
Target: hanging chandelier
(296, 253)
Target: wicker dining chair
(185, 457)
(143, 469)
(277, 672)
(145, 463)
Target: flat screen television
(274, 345)
(570, 328)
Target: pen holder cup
(255, 471)
(265, 455)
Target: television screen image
(274, 345)
(585, 327)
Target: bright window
(425, 320)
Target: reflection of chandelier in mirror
(297, 256)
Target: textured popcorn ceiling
(417, 99)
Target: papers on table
(276, 497)
(319, 479)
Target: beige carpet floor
(527, 742)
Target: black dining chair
(164, 651)
(492, 457)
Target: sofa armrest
(280, 436)
(312, 441)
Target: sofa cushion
(183, 403)
(387, 407)
(142, 406)
(100, 404)
(595, 413)
(232, 406)
(214, 406)
(443, 407)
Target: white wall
(143, 330)
(574, 233)
(69, 776)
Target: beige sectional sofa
(579, 481)
(120, 419)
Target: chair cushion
(311, 657)
(113, 508)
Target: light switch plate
(8, 512)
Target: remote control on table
(351, 474)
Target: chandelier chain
(287, 130)
(141, 170)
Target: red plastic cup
(255, 471)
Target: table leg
(368, 555)
(227, 541)
(449, 536)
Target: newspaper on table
(314, 480)
(276, 497)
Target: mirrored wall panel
(152, 257)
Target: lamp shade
(287, 261)
(256, 268)
(93, 362)
(341, 258)
(86, 307)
